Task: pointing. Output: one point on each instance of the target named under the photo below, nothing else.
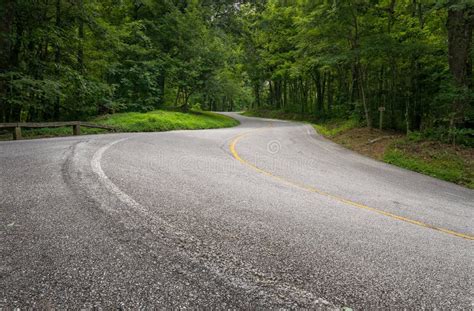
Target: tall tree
(459, 24)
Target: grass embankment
(154, 121)
(443, 161)
(160, 120)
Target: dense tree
(322, 59)
(70, 60)
(349, 58)
(460, 23)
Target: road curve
(268, 214)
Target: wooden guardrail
(76, 126)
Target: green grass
(326, 127)
(435, 162)
(332, 128)
(51, 132)
(153, 121)
(450, 163)
(160, 120)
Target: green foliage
(332, 128)
(64, 60)
(279, 114)
(311, 60)
(338, 59)
(325, 127)
(153, 121)
(455, 136)
(440, 164)
(160, 120)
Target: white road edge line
(122, 196)
(97, 169)
(126, 199)
(310, 130)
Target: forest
(404, 63)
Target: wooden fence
(76, 126)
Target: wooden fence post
(17, 133)
(381, 110)
(76, 126)
(76, 129)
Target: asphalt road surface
(264, 215)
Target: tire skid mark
(244, 276)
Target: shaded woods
(63, 59)
(405, 63)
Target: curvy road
(267, 214)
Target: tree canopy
(412, 59)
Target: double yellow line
(236, 155)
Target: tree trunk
(80, 33)
(5, 32)
(186, 96)
(459, 25)
(319, 91)
(323, 90)
(57, 59)
(364, 101)
(161, 84)
(178, 93)
(5, 45)
(277, 91)
(330, 91)
(270, 94)
(257, 95)
(14, 110)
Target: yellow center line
(236, 155)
